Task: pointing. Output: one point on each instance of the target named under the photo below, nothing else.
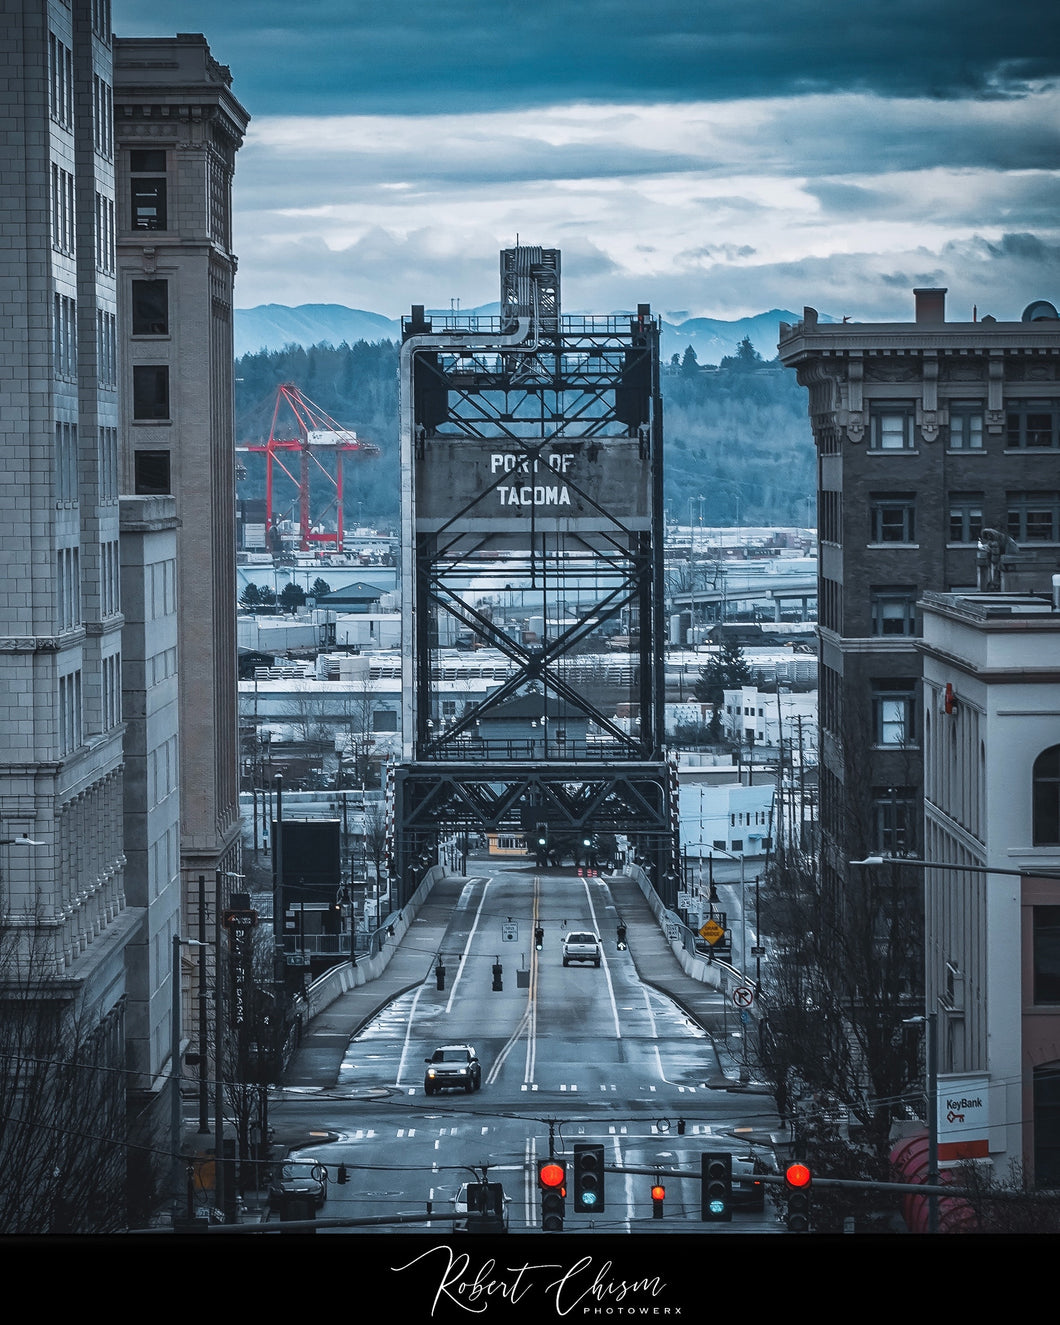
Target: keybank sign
(963, 1118)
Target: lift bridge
(532, 524)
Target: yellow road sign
(712, 931)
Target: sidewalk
(317, 1061)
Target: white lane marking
(606, 965)
(410, 1023)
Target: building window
(62, 210)
(150, 391)
(1033, 517)
(150, 308)
(66, 462)
(111, 691)
(69, 586)
(1033, 424)
(893, 609)
(894, 821)
(70, 728)
(830, 516)
(894, 712)
(103, 116)
(892, 517)
(61, 71)
(106, 348)
(104, 233)
(891, 427)
(1047, 1125)
(1046, 924)
(148, 185)
(1045, 797)
(108, 464)
(385, 720)
(966, 516)
(966, 427)
(151, 476)
(64, 337)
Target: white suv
(581, 946)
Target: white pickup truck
(581, 945)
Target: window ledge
(898, 450)
(875, 546)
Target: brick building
(938, 448)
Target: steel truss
(532, 467)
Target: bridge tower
(532, 534)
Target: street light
(1027, 872)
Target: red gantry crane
(317, 434)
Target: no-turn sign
(744, 996)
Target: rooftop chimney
(930, 306)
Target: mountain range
(275, 326)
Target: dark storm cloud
(422, 57)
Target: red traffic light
(658, 1192)
(797, 1175)
(551, 1174)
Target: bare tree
(306, 712)
(848, 973)
(374, 828)
(356, 741)
(63, 1122)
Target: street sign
(743, 997)
(509, 932)
(712, 932)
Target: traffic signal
(797, 1182)
(498, 973)
(588, 1178)
(539, 937)
(621, 938)
(658, 1195)
(552, 1181)
(716, 1187)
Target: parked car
(747, 1192)
(452, 1066)
(581, 946)
(300, 1177)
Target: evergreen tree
(727, 670)
(292, 597)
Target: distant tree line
(737, 438)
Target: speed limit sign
(744, 996)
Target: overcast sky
(709, 157)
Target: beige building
(992, 933)
(177, 130)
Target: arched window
(1045, 781)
